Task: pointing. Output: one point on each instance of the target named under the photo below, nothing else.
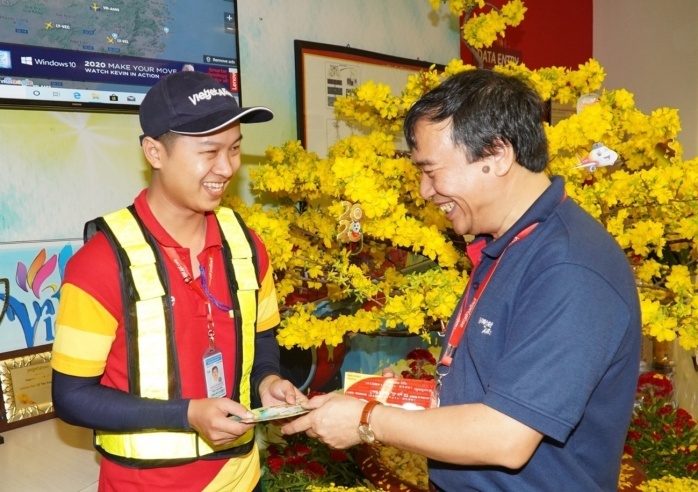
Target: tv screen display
(104, 56)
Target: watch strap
(368, 409)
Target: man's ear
(153, 151)
(503, 157)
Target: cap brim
(215, 121)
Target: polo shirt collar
(213, 236)
(538, 212)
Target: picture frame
(25, 386)
(325, 72)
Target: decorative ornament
(350, 223)
(586, 100)
(599, 156)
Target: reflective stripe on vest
(243, 266)
(152, 332)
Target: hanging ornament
(586, 100)
(350, 223)
(599, 156)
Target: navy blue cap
(192, 103)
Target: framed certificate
(25, 383)
(325, 72)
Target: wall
(650, 48)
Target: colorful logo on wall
(29, 291)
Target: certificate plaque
(25, 381)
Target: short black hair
(486, 109)
(168, 140)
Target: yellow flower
(648, 270)
(669, 484)
(679, 281)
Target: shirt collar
(541, 209)
(213, 236)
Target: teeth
(214, 186)
(447, 207)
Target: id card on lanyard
(213, 371)
(212, 360)
(463, 316)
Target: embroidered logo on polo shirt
(486, 326)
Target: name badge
(213, 373)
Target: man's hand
(334, 419)
(276, 391)
(209, 417)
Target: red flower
(300, 450)
(665, 410)
(654, 383)
(296, 462)
(661, 436)
(684, 419)
(634, 435)
(273, 450)
(421, 354)
(315, 469)
(275, 463)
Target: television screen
(104, 56)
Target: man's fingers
(301, 424)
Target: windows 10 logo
(5, 59)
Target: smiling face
(191, 173)
(459, 187)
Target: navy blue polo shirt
(554, 343)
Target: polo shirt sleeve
(566, 331)
(86, 321)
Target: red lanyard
(184, 271)
(464, 314)
(196, 286)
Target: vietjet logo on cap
(208, 94)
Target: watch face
(366, 434)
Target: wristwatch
(365, 432)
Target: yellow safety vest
(150, 375)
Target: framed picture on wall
(325, 72)
(25, 386)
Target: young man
(538, 392)
(161, 293)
